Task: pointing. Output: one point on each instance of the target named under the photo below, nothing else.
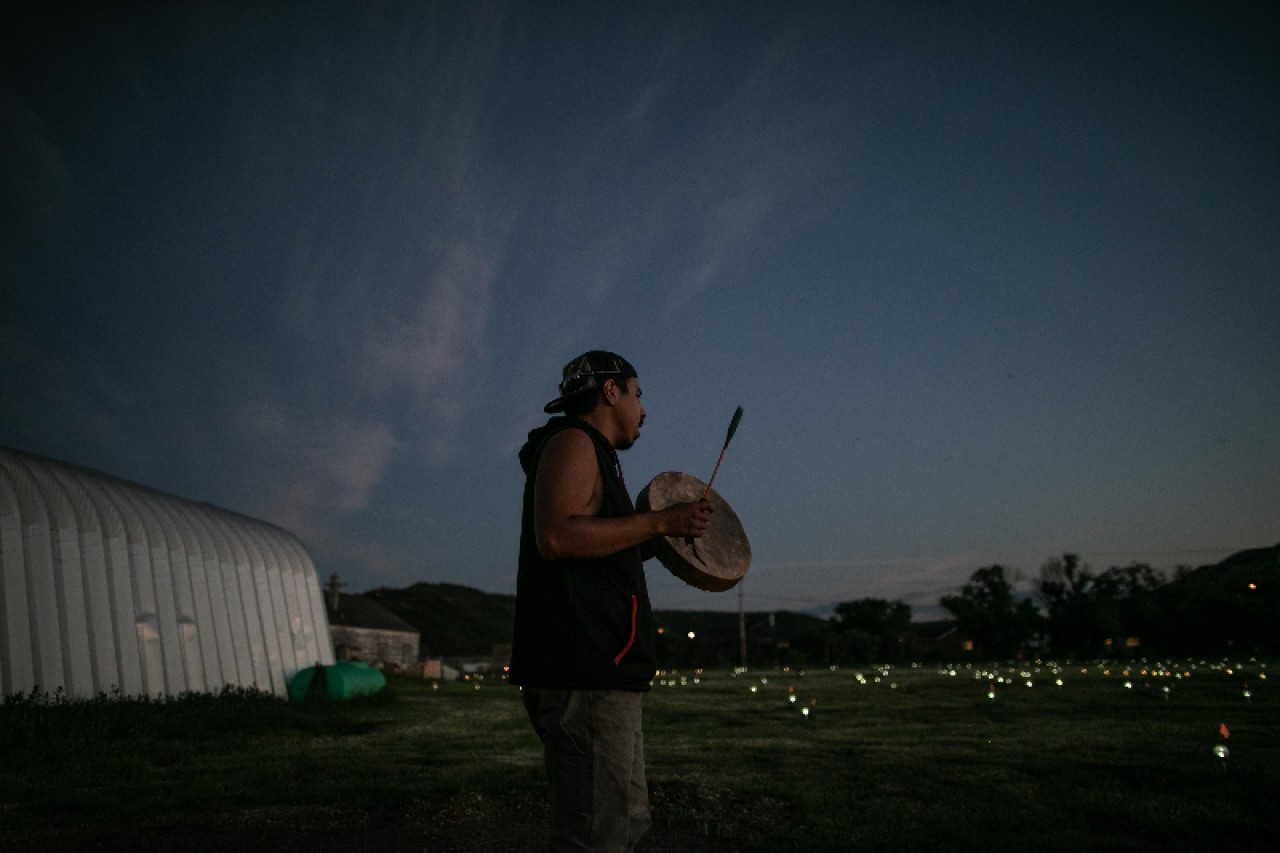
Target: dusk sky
(992, 282)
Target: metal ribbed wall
(106, 585)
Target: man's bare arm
(567, 496)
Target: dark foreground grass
(903, 759)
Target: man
(583, 649)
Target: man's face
(629, 412)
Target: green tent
(340, 681)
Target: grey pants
(594, 751)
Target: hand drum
(716, 561)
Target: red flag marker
(1222, 730)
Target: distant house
(364, 630)
(939, 640)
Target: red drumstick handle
(713, 473)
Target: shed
(364, 630)
(107, 585)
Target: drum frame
(718, 560)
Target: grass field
(903, 759)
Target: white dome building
(109, 586)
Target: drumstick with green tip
(733, 427)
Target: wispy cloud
(398, 306)
(431, 349)
(721, 188)
(314, 468)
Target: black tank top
(581, 624)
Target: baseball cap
(588, 372)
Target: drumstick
(733, 427)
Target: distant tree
(869, 628)
(873, 615)
(1076, 623)
(1086, 613)
(852, 646)
(1126, 598)
(986, 609)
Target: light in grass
(804, 711)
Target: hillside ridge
(457, 620)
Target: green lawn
(910, 758)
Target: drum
(716, 561)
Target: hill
(460, 621)
(455, 621)
(1231, 606)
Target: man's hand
(686, 520)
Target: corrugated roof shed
(106, 585)
(361, 611)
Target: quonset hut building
(109, 586)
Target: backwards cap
(588, 372)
